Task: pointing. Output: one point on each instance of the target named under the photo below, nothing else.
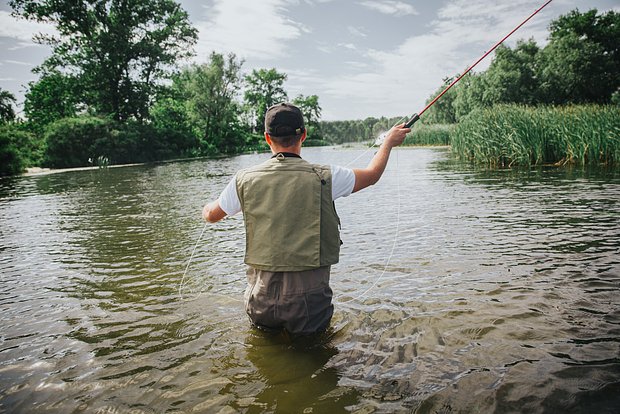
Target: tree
(442, 111)
(309, 106)
(572, 70)
(511, 77)
(603, 29)
(7, 100)
(471, 93)
(580, 63)
(211, 91)
(54, 96)
(264, 88)
(118, 50)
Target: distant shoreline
(35, 171)
(39, 171)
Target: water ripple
(500, 295)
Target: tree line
(113, 90)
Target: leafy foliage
(11, 157)
(7, 100)
(264, 88)
(578, 65)
(575, 70)
(117, 50)
(75, 142)
(54, 96)
(210, 91)
(169, 119)
(80, 141)
(442, 111)
(309, 106)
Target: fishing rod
(415, 117)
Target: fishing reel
(414, 118)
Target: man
(292, 229)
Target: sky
(361, 57)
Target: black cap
(284, 120)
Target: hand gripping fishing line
(412, 120)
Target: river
(458, 290)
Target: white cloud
(349, 46)
(473, 21)
(404, 77)
(390, 7)
(19, 62)
(22, 30)
(251, 29)
(356, 32)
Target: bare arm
(212, 212)
(368, 176)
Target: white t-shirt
(343, 180)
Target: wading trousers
(299, 302)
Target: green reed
(508, 135)
(433, 134)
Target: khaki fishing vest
(291, 222)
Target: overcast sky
(361, 57)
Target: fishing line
(379, 140)
(396, 234)
(181, 284)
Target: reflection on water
(500, 294)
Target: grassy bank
(434, 134)
(516, 135)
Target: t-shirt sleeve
(343, 181)
(229, 200)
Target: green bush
(160, 143)
(81, 141)
(11, 161)
(171, 134)
(76, 142)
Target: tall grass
(508, 135)
(433, 134)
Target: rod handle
(414, 118)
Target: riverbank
(32, 171)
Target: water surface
(458, 290)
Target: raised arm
(368, 176)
